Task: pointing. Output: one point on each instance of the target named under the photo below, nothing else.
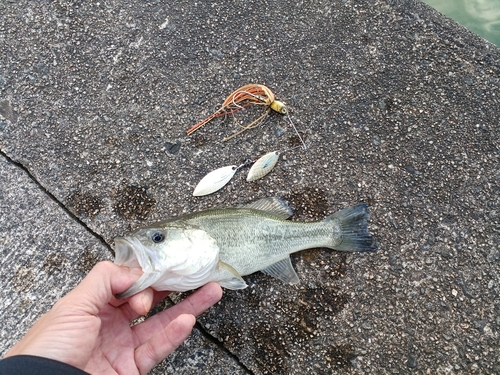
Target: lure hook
(242, 97)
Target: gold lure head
(279, 107)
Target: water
(479, 16)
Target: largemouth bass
(224, 244)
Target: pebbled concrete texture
(398, 106)
(45, 253)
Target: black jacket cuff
(32, 365)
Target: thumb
(100, 285)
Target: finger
(138, 308)
(195, 304)
(163, 343)
(99, 286)
(141, 302)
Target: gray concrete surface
(399, 108)
(45, 253)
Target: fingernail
(146, 301)
(136, 271)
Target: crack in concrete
(221, 346)
(55, 200)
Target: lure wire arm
(304, 147)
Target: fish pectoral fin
(230, 269)
(234, 282)
(283, 270)
(146, 280)
(274, 206)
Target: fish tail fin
(352, 226)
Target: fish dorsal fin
(274, 206)
(234, 282)
(283, 270)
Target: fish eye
(158, 237)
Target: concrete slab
(399, 108)
(45, 252)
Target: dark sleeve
(31, 365)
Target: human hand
(89, 328)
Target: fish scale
(265, 238)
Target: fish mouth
(129, 252)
